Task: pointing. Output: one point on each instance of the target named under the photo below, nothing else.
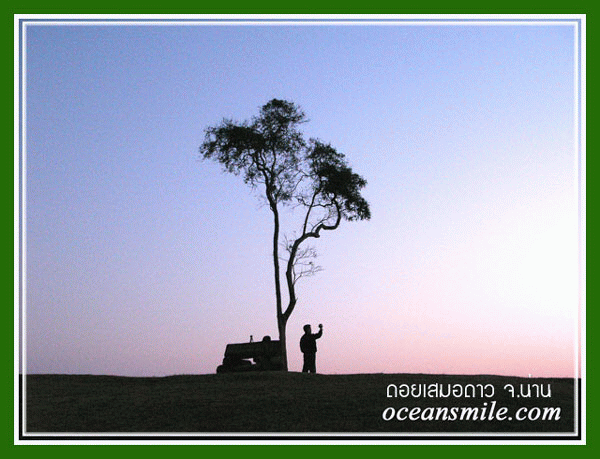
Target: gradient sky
(143, 260)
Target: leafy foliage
(265, 150)
(335, 183)
(270, 150)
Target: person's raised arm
(318, 335)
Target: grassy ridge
(270, 402)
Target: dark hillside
(296, 402)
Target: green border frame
(278, 7)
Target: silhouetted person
(308, 346)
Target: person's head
(307, 329)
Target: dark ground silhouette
(271, 402)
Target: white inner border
(21, 22)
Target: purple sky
(142, 260)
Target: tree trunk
(281, 325)
(281, 322)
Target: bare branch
(304, 265)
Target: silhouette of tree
(270, 152)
